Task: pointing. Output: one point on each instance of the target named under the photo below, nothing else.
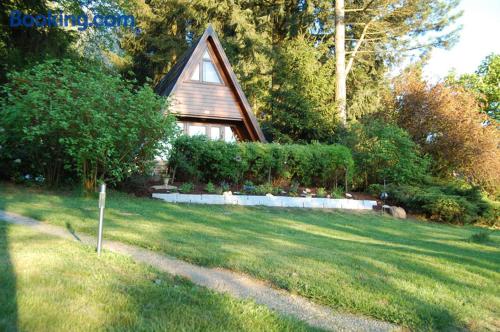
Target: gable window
(206, 71)
(196, 73)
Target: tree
(168, 28)
(340, 67)
(387, 29)
(301, 101)
(65, 117)
(447, 122)
(484, 83)
(378, 33)
(20, 46)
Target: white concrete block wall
(275, 201)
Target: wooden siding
(206, 100)
(203, 99)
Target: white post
(102, 201)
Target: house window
(196, 73)
(194, 130)
(212, 131)
(228, 135)
(206, 71)
(215, 133)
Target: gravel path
(223, 281)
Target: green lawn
(420, 275)
(50, 284)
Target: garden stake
(102, 200)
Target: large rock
(397, 212)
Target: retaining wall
(277, 201)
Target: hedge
(199, 159)
(443, 202)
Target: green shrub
(447, 209)
(294, 189)
(186, 187)
(450, 201)
(384, 151)
(210, 188)
(264, 189)
(75, 119)
(337, 193)
(203, 160)
(321, 192)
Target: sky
(479, 37)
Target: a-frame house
(205, 95)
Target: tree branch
(365, 7)
(356, 48)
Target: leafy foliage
(384, 152)
(186, 187)
(210, 188)
(484, 83)
(282, 51)
(443, 201)
(19, 47)
(68, 117)
(450, 128)
(202, 160)
(321, 192)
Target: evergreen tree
(300, 107)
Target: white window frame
(201, 70)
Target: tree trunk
(89, 176)
(340, 70)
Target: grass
(50, 284)
(480, 237)
(424, 276)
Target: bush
(265, 189)
(210, 188)
(249, 187)
(224, 186)
(443, 201)
(384, 151)
(447, 209)
(186, 187)
(65, 118)
(294, 189)
(202, 160)
(321, 192)
(337, 193)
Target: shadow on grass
(140, 299)
(72, 231)
(372, 255)
(8, 296)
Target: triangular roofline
(210, 36)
